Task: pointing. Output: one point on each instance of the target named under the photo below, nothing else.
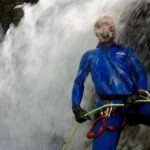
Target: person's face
(109, 27)
(105, 32)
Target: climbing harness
(91, 135)
(103, 127)
(77, 125)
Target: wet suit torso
(115, 70)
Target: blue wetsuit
(116, 70)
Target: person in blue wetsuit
(115, 70)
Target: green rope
(72, 134)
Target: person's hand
(132, 97)
(139, 95)
(80, 114)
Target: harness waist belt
(114, 96)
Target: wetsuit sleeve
(138, 71)
(78, 86)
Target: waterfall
(38, 63)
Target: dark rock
(137, 31)
(137, 34)
(10, 15)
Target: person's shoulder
(129, 49)
(125, 47)
(89, 52)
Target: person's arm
(138, 71)
(78, 87)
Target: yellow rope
(77, 125)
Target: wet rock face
(137, 31)
(137, 34)
(10, 15)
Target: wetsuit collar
(106, 45)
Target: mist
(38, 64)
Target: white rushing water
(38, 63)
